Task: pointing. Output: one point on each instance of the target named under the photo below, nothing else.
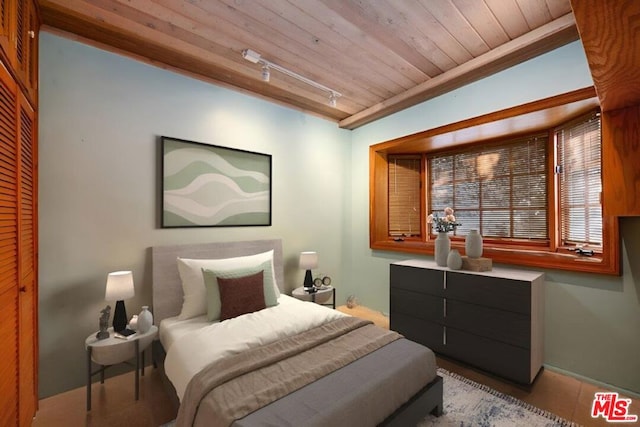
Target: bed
(292, 363)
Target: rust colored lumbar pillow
(241, 295)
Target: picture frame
(207, 185)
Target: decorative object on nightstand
(308, 261)
(322, 282)
(119, 288)
(133, 323)
(145, 319)
(105, 313)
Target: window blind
(501, 189)
(580, 180)
(404, 195)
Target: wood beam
(610, 33)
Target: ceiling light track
(256, 58)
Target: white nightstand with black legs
(320, 296)
(112, 350)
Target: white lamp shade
(119, 286)
(308, 260)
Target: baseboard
(597, 383)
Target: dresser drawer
(421, 306)
(423, 332)
(504, 326)
(417, 279)
(499, 358)
(496, 292)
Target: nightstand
(321, 296)
(112, 350)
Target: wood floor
(114, 404)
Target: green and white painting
(207, 185)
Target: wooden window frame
(543, 115)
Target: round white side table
(112, 350)
(320, 296)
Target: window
(533, 191)
(404, 195)
(500, 190)
(580, 180)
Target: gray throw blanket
(234, 387)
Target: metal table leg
(137, 369)
(88, 378)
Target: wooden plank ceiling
(381, 55)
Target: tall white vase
(145, 320)
(441, 248)
(473, 244)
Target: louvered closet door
(7, 21)
(27, 325)
(8, 251)
(27, 25)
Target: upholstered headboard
(167, 288)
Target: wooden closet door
(27, 226)
(7, 30)
(26, 47)
(8, 250)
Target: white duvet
(194, 350)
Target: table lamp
(308, 261)
(119, 288)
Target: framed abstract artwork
(211, 186)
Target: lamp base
(308, 282)
(119, 317)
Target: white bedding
(193, 344)
(173, 328)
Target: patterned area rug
(468, 403)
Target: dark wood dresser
(493, 320)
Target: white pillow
(193, 287)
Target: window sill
(526, 257)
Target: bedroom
(98, 159)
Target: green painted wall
(101, 116)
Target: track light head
(251, 55)
(333, 99)
(266, 74)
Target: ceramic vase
(133, 323)
(441, 248)
(145, 320)
(473, 244)
(454, 260)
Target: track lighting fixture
(256, 58)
